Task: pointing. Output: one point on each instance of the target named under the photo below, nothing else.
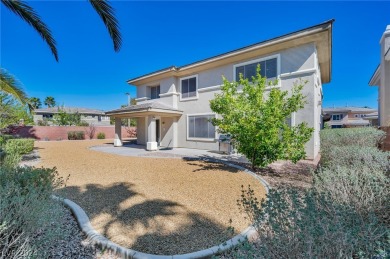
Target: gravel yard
(153, 205)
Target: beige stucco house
(173, 103)
(348, 117)
(90, 116)
(381, 78)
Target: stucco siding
(299, 58)
(167, 137)
(302, 60)
(213, 77)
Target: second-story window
(337, 117)
(155, 92)
(268, 69)
(189, 87)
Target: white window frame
(340, 117)
(181, 93)
(200, 139)
(278, 67)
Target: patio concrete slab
(140, 151)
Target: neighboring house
(347, 117)
(173, 104)
(381, 78)
(91, 116)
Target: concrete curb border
(103, 242)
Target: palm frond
(10, 85)
(106, 13)
(28, 14)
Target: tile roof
(70, 110)
(145, 106)
(347, 109)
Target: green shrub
(83, 124)
(293, 223)
(76, 135)
(19, 146)
(43, 123)
(30, 221)
(364, 137)
(4, 139)
(101, 135)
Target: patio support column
(151, 144)
(118, 132)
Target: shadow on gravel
(197, 234)
(169, 227)
(209, 165)
(97, 199)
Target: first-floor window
(200, 126)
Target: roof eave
(375, 78)
(325, 55)
(145, 111)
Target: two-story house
(381, 78)
(90, 116)
(173, 103)
(348, 117)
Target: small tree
(90, 131)
(257, 119)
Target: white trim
(200, 139)
(169, 94)
(142, 99)
(299, 72)
(210, 88)
(340, 116)
(278, 65)
(190, 98)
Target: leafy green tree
(35, 102)
(12, 111)
(257, 119)
(50, 101)
(63, 118)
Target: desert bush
(43, 123)
(83, 124)
(131, 132)
(76, 135)
(29, 218)
(101, 135)
(356, 157)
(90, 131)
(19, 146)
(294, 223)
(364, 189)
(364, 137)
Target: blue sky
(160, 34)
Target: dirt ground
(153, 205)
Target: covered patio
(156, 124)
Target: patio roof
(145, 109)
